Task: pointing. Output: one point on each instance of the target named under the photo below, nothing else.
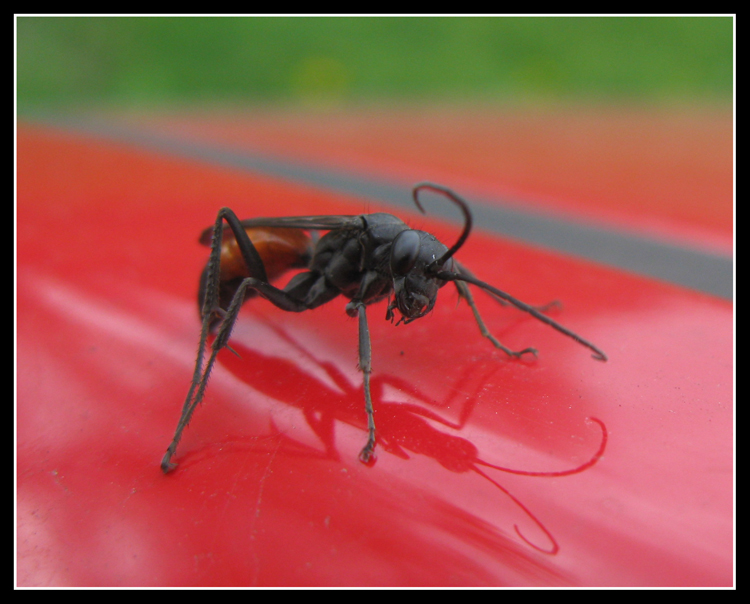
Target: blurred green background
(74, 61)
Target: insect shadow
(404, 428)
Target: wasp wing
(310, 223)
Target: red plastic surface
(269, 490)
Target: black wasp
(367, 258)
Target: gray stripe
(692, 268)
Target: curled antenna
(459, 202)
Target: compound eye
(404, 252)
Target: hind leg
(305, 291)
(212, 314)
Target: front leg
(365, 366)
(465, 292)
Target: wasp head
(414, 260)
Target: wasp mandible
(366, 258)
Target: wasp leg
(462, 270)
(556, 304)
(543, 308)
(166, 463)
(191, 402)
(448, 276)
(276, 296)
(210, 312)
(465, 292)
(250, 255)
(365, 365)
(200, 378)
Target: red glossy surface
(269, 490)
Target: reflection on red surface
(402, 427)
(269, 490)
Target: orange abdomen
(280, 249)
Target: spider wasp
(366, 258)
